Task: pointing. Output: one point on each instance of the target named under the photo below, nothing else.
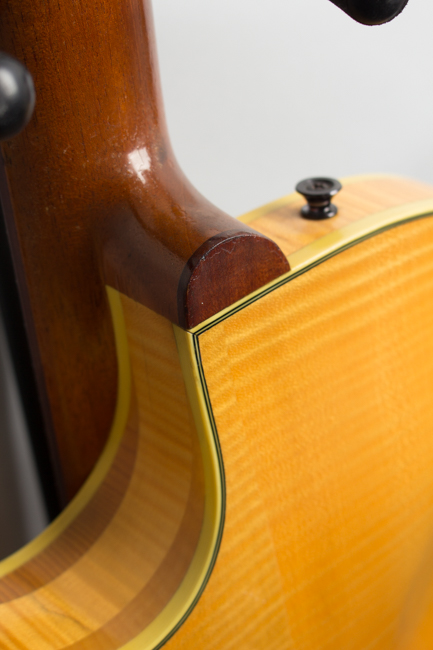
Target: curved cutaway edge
(200, 570)
(186, 594)
(96, 478)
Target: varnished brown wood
(91, 189)
(202, 292)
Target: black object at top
(17, 93)
(318, 192)
(371, 12)
(17, 96)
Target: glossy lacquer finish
(93, 195)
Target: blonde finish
(319, 389)
(361, 196)
(322, 396)
(139, 539)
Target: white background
(262, 93)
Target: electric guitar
(239, 411)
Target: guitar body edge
(298, 420)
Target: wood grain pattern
(115, 567)
(322, 394)
(360, 196)
(319, 389)
(416, 624)
(92, 194)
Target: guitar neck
(93, 195)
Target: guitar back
(321, 391)
(265, 384)
(267, 481)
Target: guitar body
(267, 479)
(255, 393)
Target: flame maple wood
(319, 386)
(99, 580)
(360, 196)
(322, 396)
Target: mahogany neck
(93, 196)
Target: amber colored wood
(91, 189)
(123, 557)
(320, 392)
(360, 197)
(416, 624)
(322, 396)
